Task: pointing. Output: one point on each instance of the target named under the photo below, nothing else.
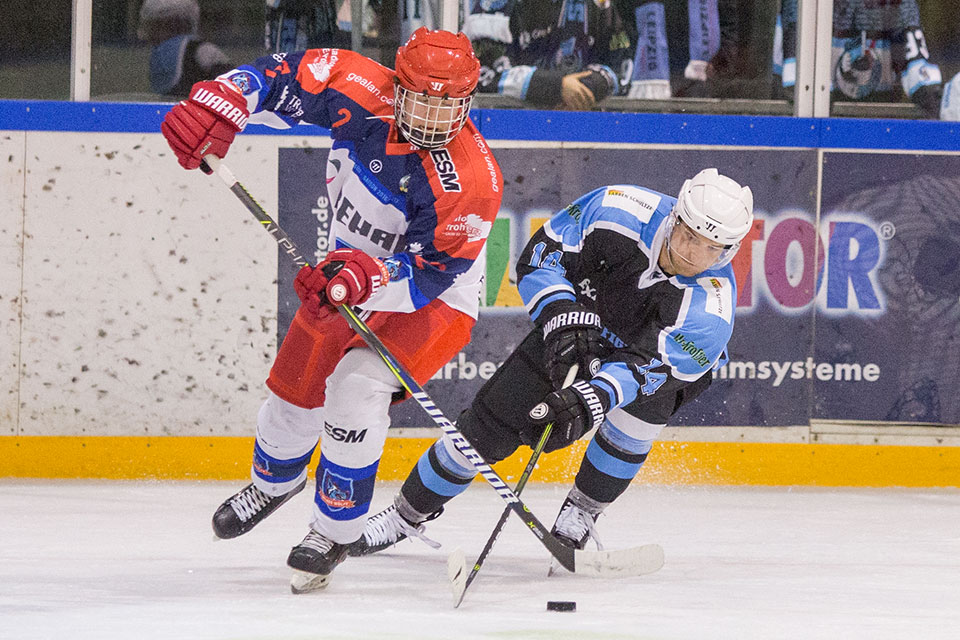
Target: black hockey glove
(573, 410)
(571, 336)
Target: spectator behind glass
(296, 25)
(673, 44)
(178, 58)
(548, 53)
(879, 55)
(743, 65)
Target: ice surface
(137, 560)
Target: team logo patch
(241, 81)
(336, 491)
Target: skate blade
(304, 582)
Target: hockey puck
(561, 605)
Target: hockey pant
(492, 425)
(325, 381)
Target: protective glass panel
(706, 56)
(156, 49)
(892, 58)
(35, 50)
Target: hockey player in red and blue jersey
(634, 287)
(415, 190)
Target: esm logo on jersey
(446, 170)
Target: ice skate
(387, 528)
(313, 560)
(243, 510)
(574, 527)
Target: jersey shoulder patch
(634, 200)
(704, 325)
(719, 296)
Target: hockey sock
(610, 463)
(342, 499)
(278, 476)
(436, 479)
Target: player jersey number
(652, 379)
(550, 261)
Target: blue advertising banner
(825, 306)
(891, 300)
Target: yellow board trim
(699, 463)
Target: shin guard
(610, 464)
(437, 478)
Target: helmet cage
(429, 122)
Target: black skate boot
(313, 560)
(243, 510)
(387, 528)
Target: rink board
(669, 463)
(139, 303)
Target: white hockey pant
(353, 423)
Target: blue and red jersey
(426, 214)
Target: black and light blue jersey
(663, 331)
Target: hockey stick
(456, 563)
(625, 562)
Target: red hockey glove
(205, 123)
(310, 285)
(573, 410)
(360, 277)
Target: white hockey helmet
(717, 208)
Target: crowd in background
(574, 54)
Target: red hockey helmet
(437, 74)
(438, 63)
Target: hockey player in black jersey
(633, 286)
